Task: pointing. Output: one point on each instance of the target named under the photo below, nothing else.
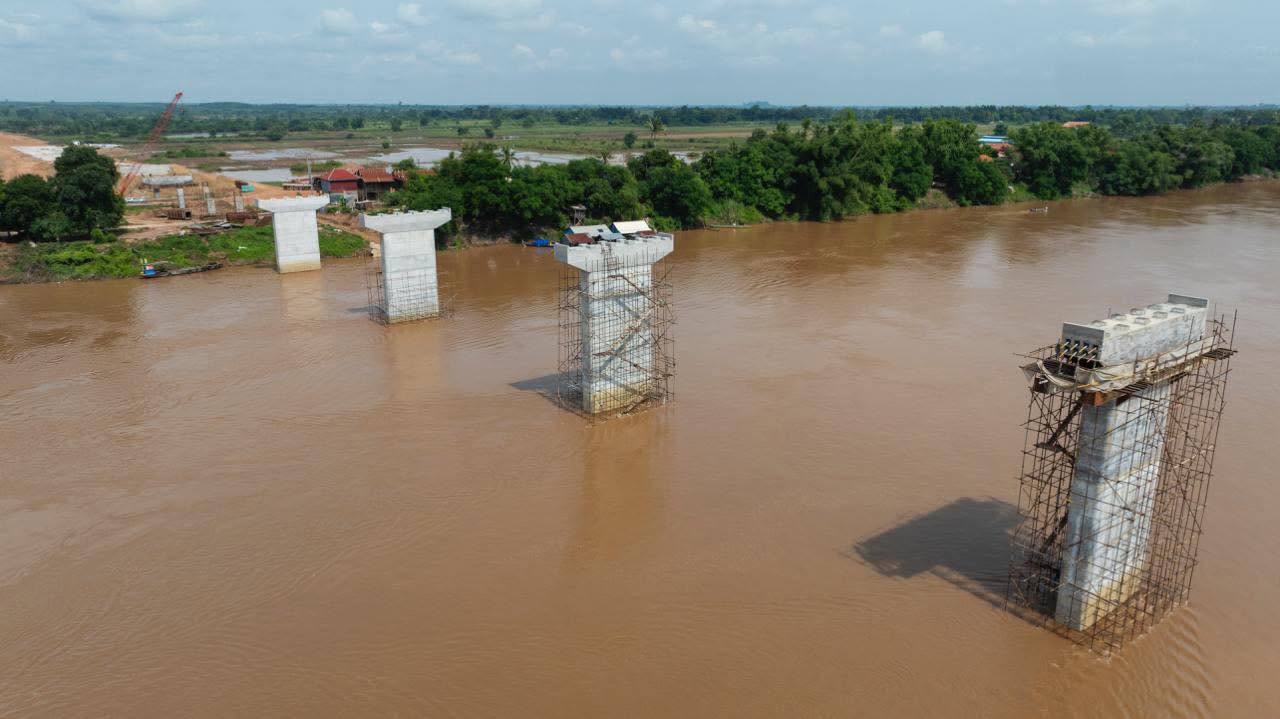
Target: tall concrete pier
(1124, 410)
(408, 288)
(615, 359)
(293, 219)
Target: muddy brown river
(232, 494)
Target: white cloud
(530, 59)
(1141, 8)
(640, 58)
(463, 58)
(832, 15)
(576, 29)
(503, 10)
(339, 21)
(13, 30)
(891, 31)
(410, 13)
(438, 52)
(140, 10)
(1117, 38)
(704, 28)
(933, 41)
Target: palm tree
(656, 125)
(508, 156)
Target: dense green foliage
(91, 260)
(1054, 161)
(822, 172)
(79, 199)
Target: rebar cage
(617, 355)
(417, 298)
(1145, 518)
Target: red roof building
(340, 180)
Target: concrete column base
(410, 286)
(297, 236)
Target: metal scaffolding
(416, 298)
(1146, 518)
(616, 351)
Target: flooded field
(290, 153)
(233, 494)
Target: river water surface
(232, 494)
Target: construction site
(1121, 432)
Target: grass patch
(87, 261)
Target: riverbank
(22, 263)
(30, 262)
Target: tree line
(125, 121)
(847, 167)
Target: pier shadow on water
(548, 387)
(965, 543)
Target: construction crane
(149, 146)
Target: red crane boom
(149, 146)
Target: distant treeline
(837, 169)
(134, 120)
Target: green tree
(27, 198)
(671, 187)
(1051, 159)
(609, 191)
(1136, 169)
(981, 183)
(656, 125)
(629, 140)
(912, 174)
(84, 188)
(396, 124)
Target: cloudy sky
(667, 51)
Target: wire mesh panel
(1113, 490)
(616, 350)
(412, 296)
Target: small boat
(1044, 209)
(152, 270)
(538, 242)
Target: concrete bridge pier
(617, 319)
(407, 263)
(1108, 528)
(297, 237)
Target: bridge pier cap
(398, 222)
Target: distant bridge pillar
(297, 236)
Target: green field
(57, 261)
